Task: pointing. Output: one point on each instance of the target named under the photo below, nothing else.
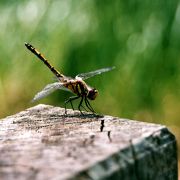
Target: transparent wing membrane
(84, 76)
(50, 88)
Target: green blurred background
(140, 38)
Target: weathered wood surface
(41, 144)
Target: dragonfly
(75, 85)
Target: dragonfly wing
(50, 88)
(84, 76)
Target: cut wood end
(42, 143)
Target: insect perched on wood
(75, 85)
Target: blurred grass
(140, 38)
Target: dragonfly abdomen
(42, 58)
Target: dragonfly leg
(80, 105)
(84, 108)
(88, 105)
(70, 100)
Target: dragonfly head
(92, 94)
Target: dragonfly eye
(92, 94)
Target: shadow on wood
(41, 143)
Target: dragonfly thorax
(92, 94)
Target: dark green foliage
(140, 38)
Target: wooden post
(40, 143)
